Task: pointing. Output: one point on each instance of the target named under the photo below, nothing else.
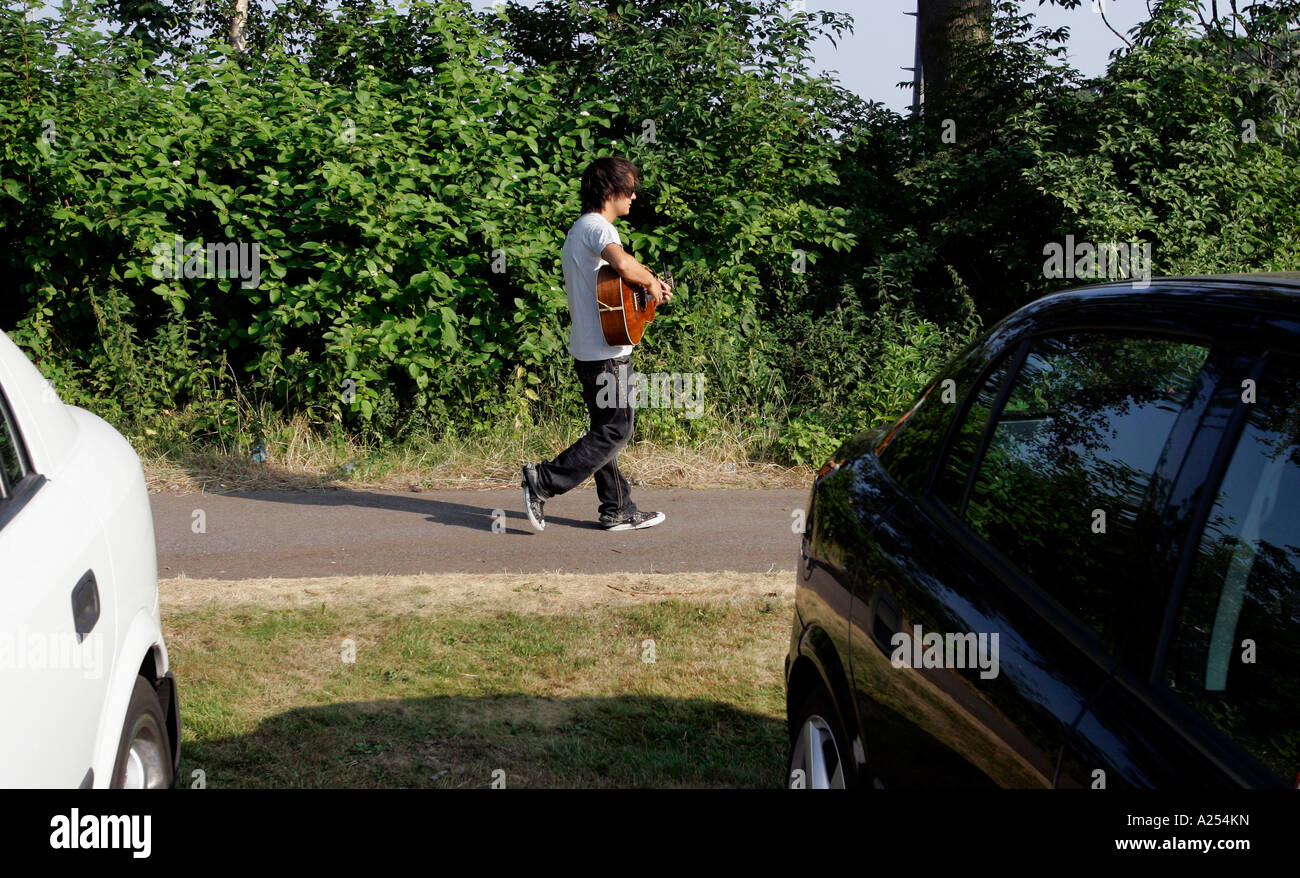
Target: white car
(86, 696)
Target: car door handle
(85, 605)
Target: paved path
(350, 533)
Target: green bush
(408, 176)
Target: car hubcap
(817, 756)
(145, 767)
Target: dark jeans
(609, 403)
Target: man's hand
(661, 292)
(634, 272)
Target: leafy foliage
(408, 175)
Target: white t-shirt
(587, 238)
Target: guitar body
(625, 308)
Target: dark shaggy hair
(606, 177)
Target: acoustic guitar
(625, 307)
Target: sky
(870, 61)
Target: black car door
(1218, 704)
(1022, 542)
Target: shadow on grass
(462, 741)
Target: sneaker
(634, 521)
(532, 503)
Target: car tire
(819, 748)
(143, 753)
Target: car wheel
(143, 754)
(818, 747)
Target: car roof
(1277, 292)
(1284, 278)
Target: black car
(1075, 562)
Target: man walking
(608, 189)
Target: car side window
(950, 487)
(909, 455)
(13, 458)
(1235, 657)
(1065, 474)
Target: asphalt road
(266, 534)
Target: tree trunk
(237, 39)
(940, 26)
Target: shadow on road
(326, 491)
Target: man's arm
(631, 270)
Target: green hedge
(408, 177)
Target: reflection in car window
(1066, 472)
(951, 484)
(12, 459)
(1236, 657)
(910, 455)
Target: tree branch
(1106, 22)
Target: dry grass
(458, 681)
(299, 463)
(543, 593)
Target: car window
(950, 487)
(909, 453)
(13, 459)
(1236, 654)
(1060, 486)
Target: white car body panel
(47, 424)
(90, 514)
(141, 637)
(51, 688)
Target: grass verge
(457, 681)
(299, 458)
